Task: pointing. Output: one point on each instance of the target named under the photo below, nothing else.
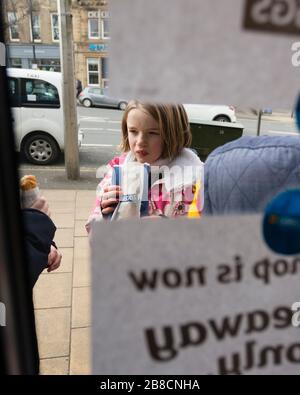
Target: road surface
(102, 135)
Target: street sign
(98, 47)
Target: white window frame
(89, 29)
(102, 29)
(10, 22)
(93, 61)
(93, 15)
(52, 27)
(36, 40)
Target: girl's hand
(110, 199)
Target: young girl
(157, 134)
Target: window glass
(36, 28)
(105, 28)
(93, 28)
(105, 84)
(13, 91)
(46, 64)
(93, 79)
(13, 26)
(39, 92)
(93, 66)
(97, 91)
(16, 63)
(93, 71)
(104, 73)
(55, 27)
(104, 68)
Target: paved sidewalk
(62, 298)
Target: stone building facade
(25, 49)
(91, 37)
(41, 49)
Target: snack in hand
(29, 191)
(28, 182)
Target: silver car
(91, 96)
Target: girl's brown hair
(172, 122)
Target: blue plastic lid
(281, 223)
(297, 113)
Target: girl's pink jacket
(164, 199)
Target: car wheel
(222, 118)
(87, 103)
(122, 105)
(41, 149)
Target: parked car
(207, 112)
(38, 111)
(92, 96)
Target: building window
(13, 26)
(55, 27)
(93, 71)
(16, 63)
(35, 29)
(105, 28)
(98, 25)
(94, 28)
(104, 72)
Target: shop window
(45, 64)
(16, 63)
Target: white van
(37, 109)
